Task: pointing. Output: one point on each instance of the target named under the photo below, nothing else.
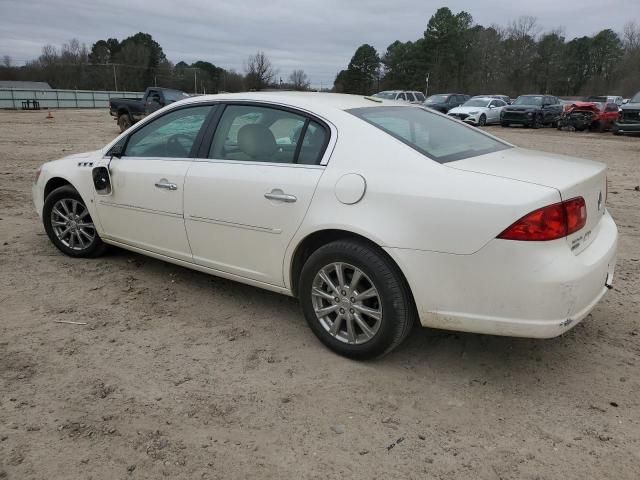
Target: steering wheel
(174, 145)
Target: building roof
(25, 85)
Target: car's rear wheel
(355, 299)
(482, 121)
(504, 124)
(124, 121)
(69, 225)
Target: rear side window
(437, 137)
(410, 96)
(419, 96)
(253, 133)
(401, 96)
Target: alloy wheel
(346, 303)
(72, 224)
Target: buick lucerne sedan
(373, 213)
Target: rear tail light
(549, 223)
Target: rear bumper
(521, 289)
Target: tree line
(459, 56)
(137, 62)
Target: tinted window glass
(257, 134)
(313, 144)
(419, 96)
(437, 137)
(401, 96)
(169, 136)
(410, 97)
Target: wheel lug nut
(342, 310)
(337, 300)
(353, 300)
(351, 310)
(343, 293)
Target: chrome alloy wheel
(347, 303)
(72, 224)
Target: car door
(495, 111)
(145, 208)
(245, 202)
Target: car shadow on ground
(443, 351)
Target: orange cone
(49, 115)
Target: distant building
(24, 85)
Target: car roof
(313, 101)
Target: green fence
(16, 98)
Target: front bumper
(623, 127)
(521, 289)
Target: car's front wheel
(355, 299)
(69, 225)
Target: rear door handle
(164, 183)
(279, 196)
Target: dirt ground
(183, 375)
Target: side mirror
(101, 180)
(492, 106)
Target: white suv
(410, 96)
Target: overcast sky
(318, 36)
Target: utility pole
(115, 79)
(195, 80)
(426, 91)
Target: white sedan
(373, 213)
(479, 111)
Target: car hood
(547, 169)
(583, 107)
(521, 108)
(631, 106)
(468, 109)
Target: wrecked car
(595, 116)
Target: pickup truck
(128, 111)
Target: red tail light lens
(549, 223)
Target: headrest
(257, 141)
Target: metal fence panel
(12, 98)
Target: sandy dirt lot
(183, 375)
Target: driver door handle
(164, 183)
(280, 196)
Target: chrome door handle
(164, 183)
(280, 196)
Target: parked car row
(600, 113)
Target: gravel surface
(184, 375)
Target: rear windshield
(386, 95)
(435, 136)
(174, 95)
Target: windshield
(436, 99)
(386, 95)
(636, 98)
(435, 136)
(174, 95)
(529, 100)
(477, 102)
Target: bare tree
(6, 61)
(299, 80)
(259, 70)
(631, 36)
(524, 27)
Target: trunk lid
(572, 177)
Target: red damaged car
(589, 115)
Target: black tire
(94, 248)
(504, 124)
(536, 122)
(124, 121)
(482, 121)
(395, 298)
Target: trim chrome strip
(139, 209)
(232, 224)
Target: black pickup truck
(128, 111)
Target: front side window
(262, 134)
(170, 136)
(437, 137)
(401, 96)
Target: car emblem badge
(600, 201)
